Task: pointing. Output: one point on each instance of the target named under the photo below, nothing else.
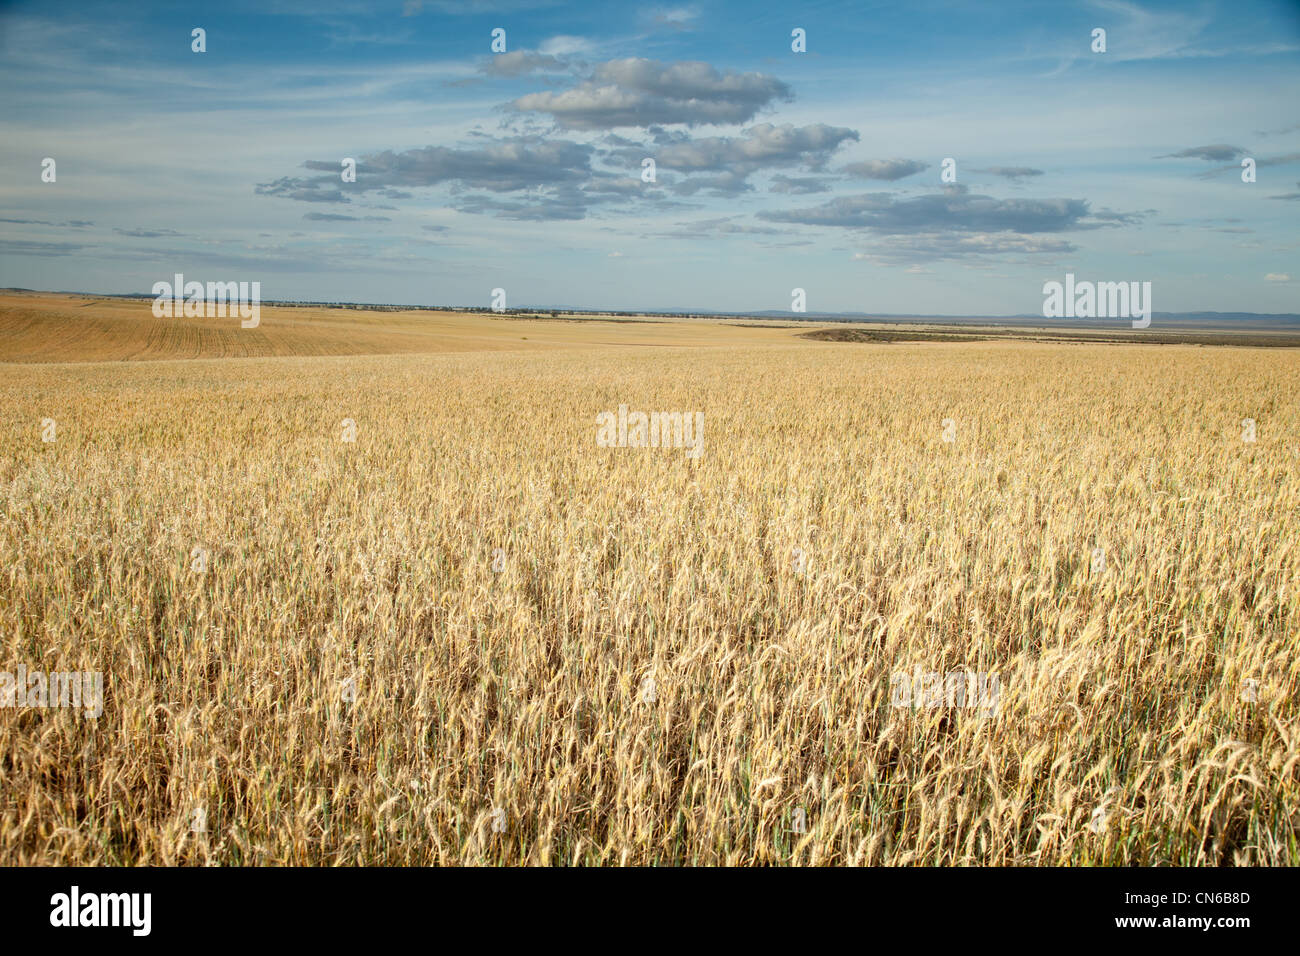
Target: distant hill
(1205, 321)
(1228, 321)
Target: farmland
(470, 635)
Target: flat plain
(474, 636)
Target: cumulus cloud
(887, 169)
(499, 166)
(720, 184)
(758, 146)
(502, 166)
(641, 92)
(798, 185)
(953, 209)
(731, 160)
(954, 222)
(551, 179)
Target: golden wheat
(350, 681)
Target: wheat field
(474, 636)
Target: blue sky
(774, 169)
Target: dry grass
(41, 327)
(521, 690)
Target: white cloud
(641, 92)
(564, 46)
(676, 18)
